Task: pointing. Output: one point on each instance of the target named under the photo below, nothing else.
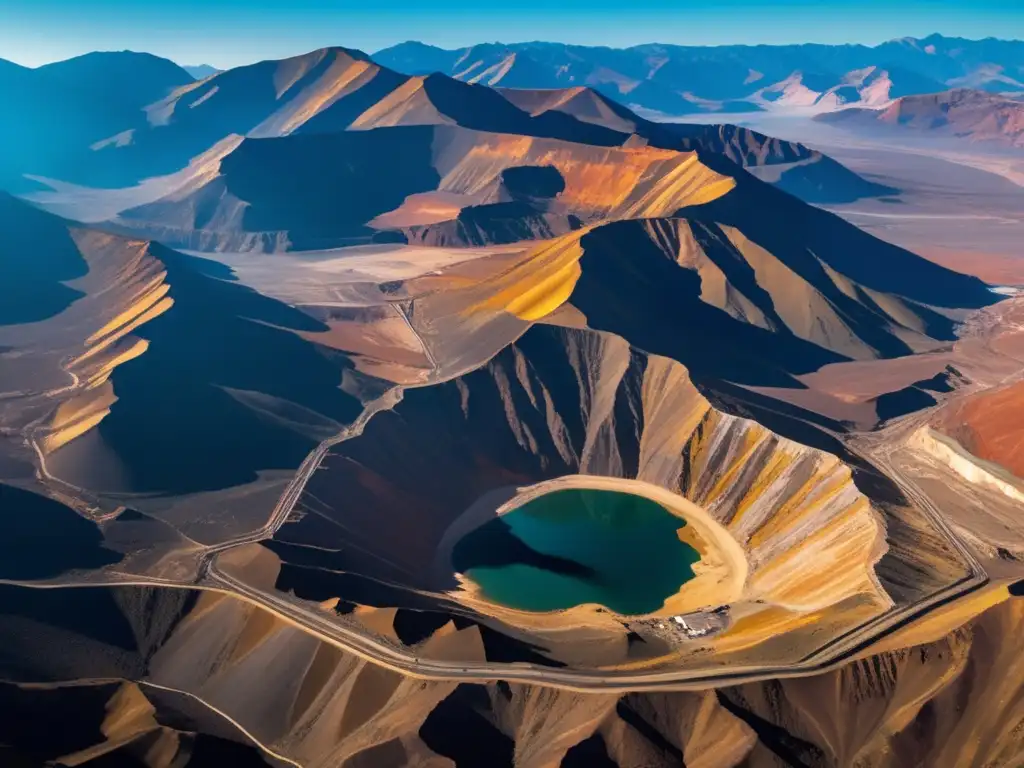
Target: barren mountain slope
(813, 290)
(52, 114)
(584, 115)
(817, 302)
(134, 79)
(328, 86)
(327, 90)
(565, 402)
(976, 116)
(337, 89)
(341, 188)
(949, 699)
(140, 346)
(801, 171)
(117, 723)
(440, 185)
(130, 372)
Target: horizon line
(532, 42)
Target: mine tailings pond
(576, 546)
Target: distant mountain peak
(340, 50)
(417, 44)
(201, 71)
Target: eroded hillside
(448, 350)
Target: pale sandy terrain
(858, 381)
(92, 205)
(991, 427)
(994, 268)
(961, 210)
(346, 276)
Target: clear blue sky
(231, 32)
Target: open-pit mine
(340, 406)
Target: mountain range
(678, 80)
(287, 351)
(199, 71)
(68, 125)
(157, 129)
(439, 159)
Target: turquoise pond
(577, 546)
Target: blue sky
(231, 32)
